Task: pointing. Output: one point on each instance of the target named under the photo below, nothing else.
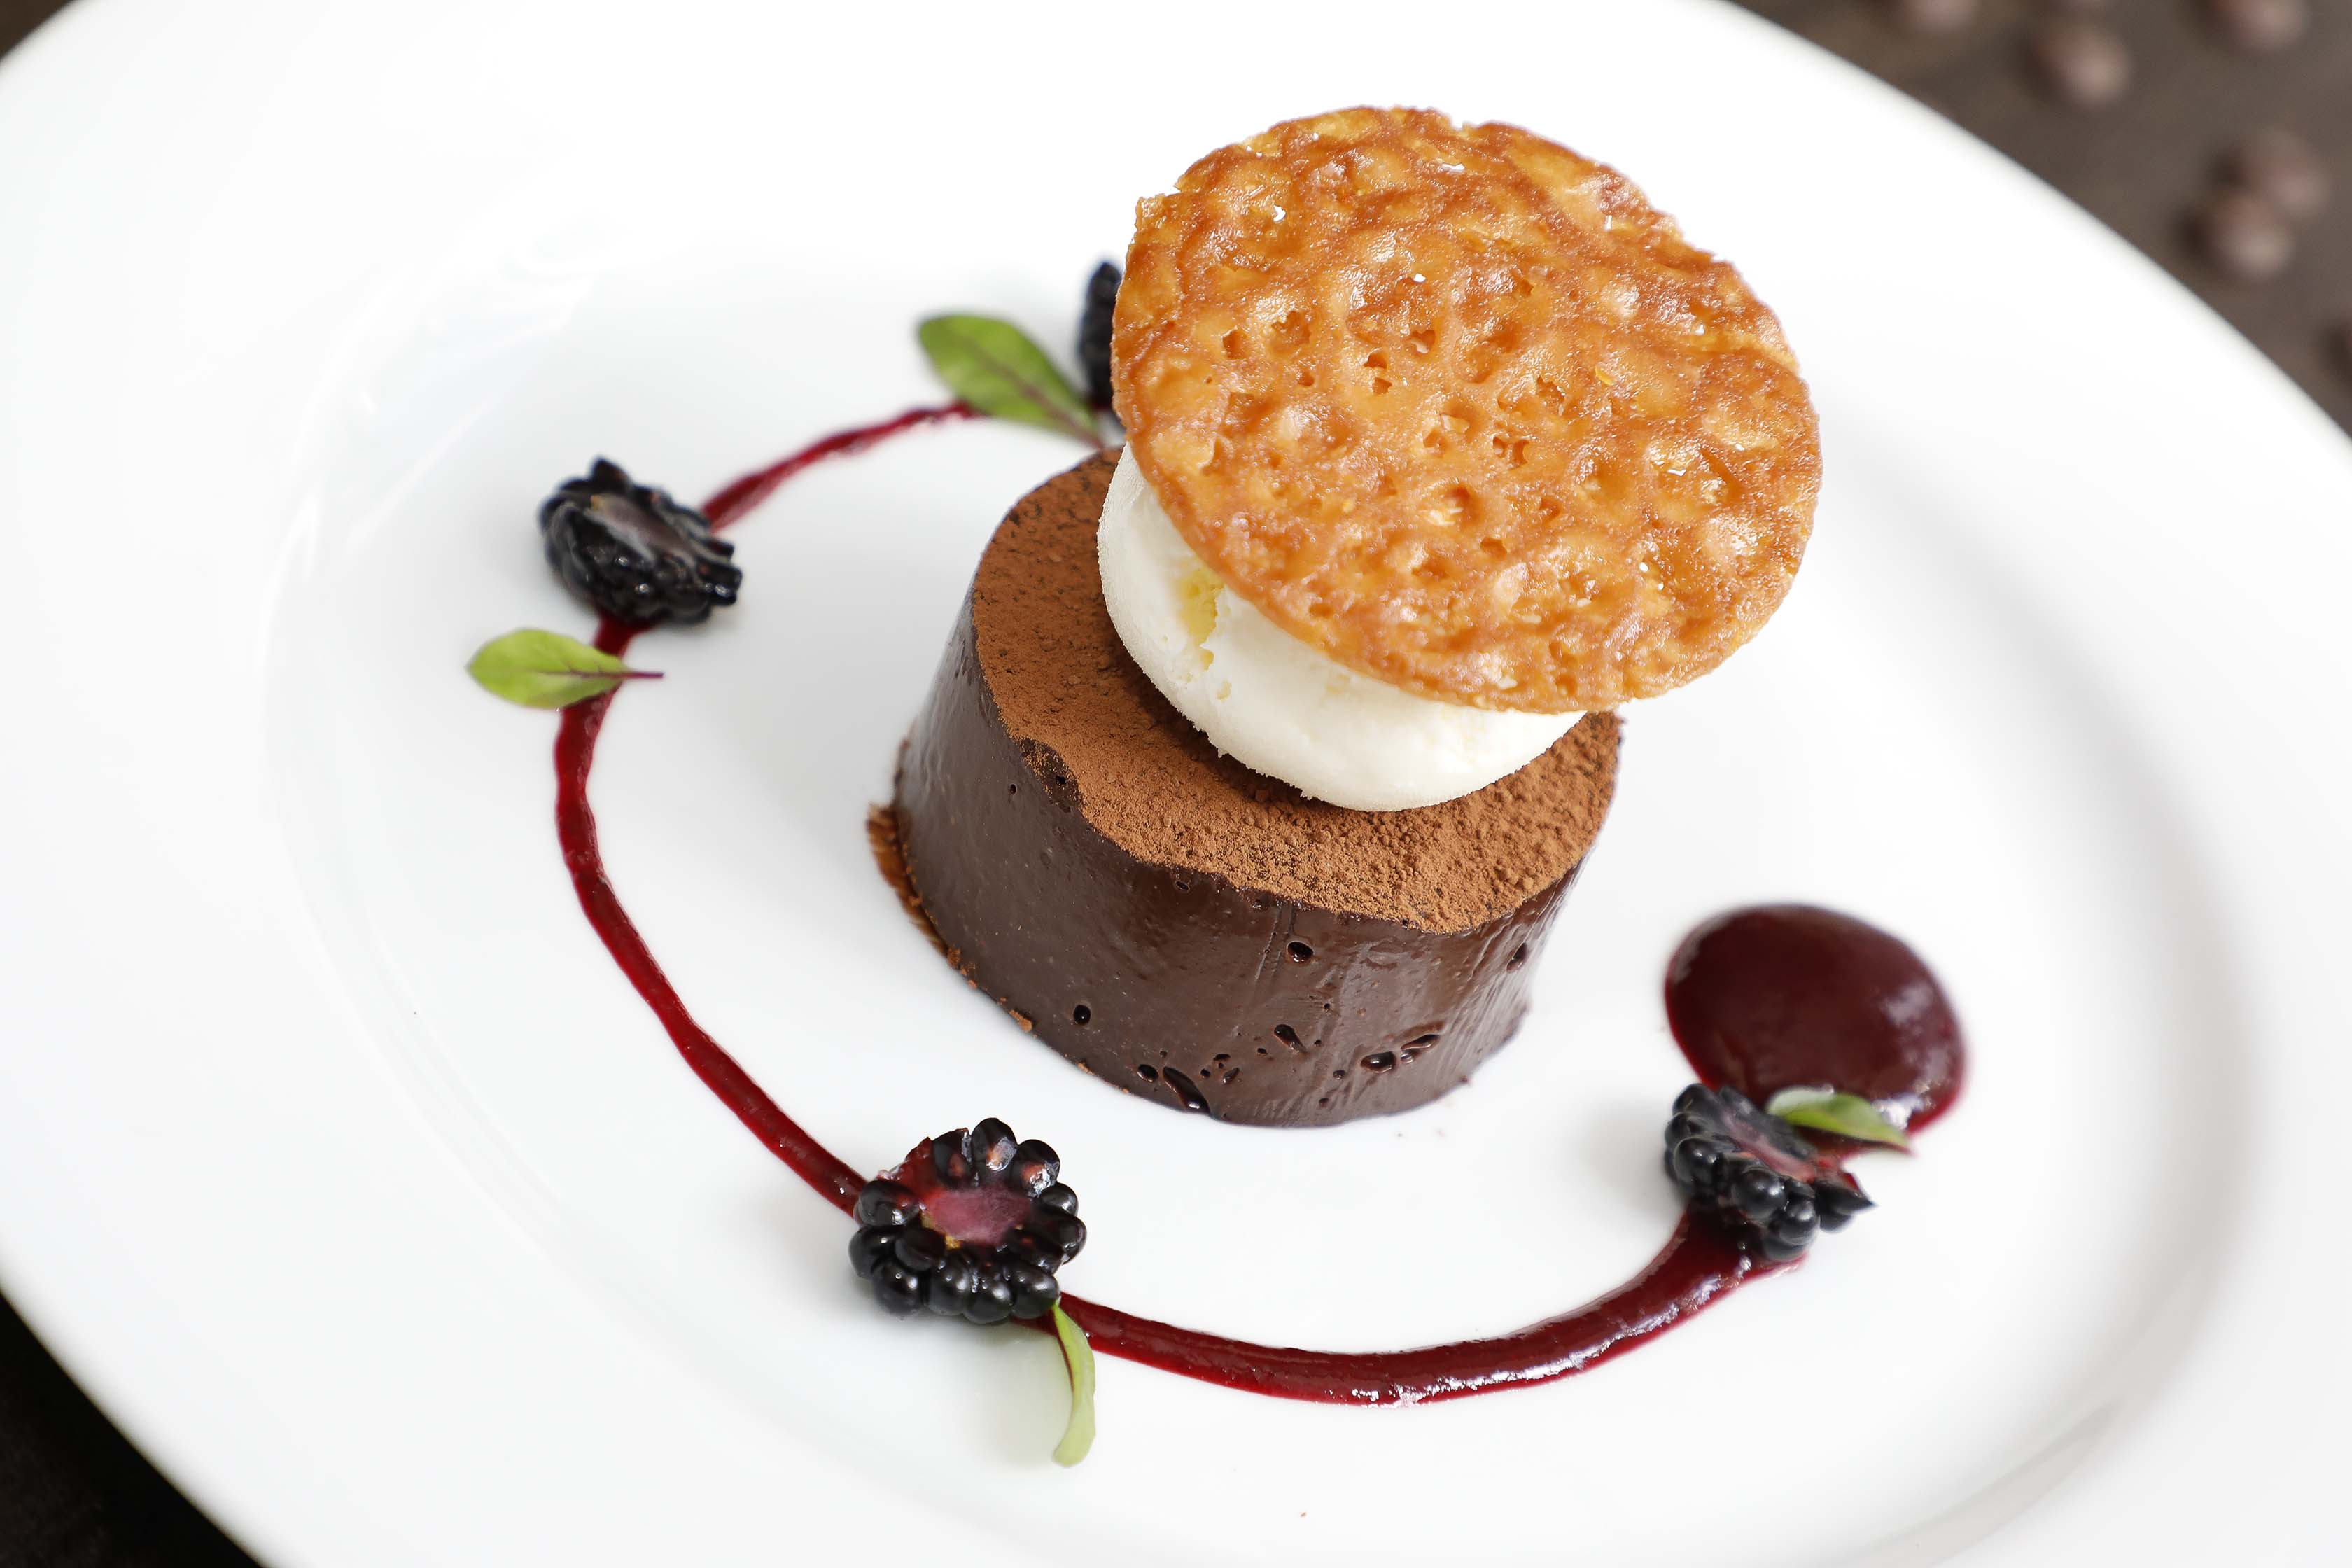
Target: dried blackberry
(634, 554)
(973, 1224)
(1094, 333)
(1753, 1174)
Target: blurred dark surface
(2144, 163)
(2146, 158)
(74, 1493)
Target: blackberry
(634, 553)
(974, 1224)
(1754, 1174)
(1094, 333)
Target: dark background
(2144, 163)
(74, 1494)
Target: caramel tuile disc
(1462, 409)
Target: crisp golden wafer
(1462, 409)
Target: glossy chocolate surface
(1171, 980)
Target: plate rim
(70, 43)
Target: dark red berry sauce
(1787, 996)
(1852, 1013)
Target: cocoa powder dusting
(1146, 779)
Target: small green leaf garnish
(992, 365)
(548, 669)
(1847, 1115)
(1080, 1434)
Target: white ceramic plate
(347, 1174)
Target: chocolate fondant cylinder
(1181, 927)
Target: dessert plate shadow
(353, 1181)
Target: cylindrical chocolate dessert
(1181, 926)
